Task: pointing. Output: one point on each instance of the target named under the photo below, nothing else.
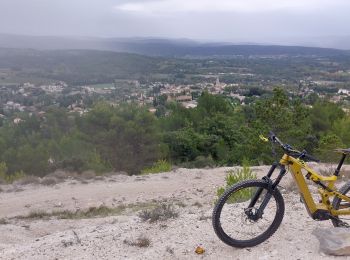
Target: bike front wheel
(238, 218)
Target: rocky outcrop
(333, 241)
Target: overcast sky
(263, 21)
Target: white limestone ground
(191, 191)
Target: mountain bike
(250, 212)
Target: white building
(343, 91)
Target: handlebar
(273, 138)
(289, 149)
(310, 158)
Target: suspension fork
(259, 191)
(271, 188)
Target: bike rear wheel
(342, 220)
(236, 219)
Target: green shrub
(236, 176)
(159, 166)
(97, 164)
(28, 179)
(3, 171)
(200, 162)
(15, 176)
(325, 151)
(9, 178)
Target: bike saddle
(342, 150)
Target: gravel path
(192, 192)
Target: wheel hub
(252, 213)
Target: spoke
(240, 221)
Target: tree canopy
(129, 138)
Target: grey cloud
(101, 18)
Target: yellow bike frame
(326, 191)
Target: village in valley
(76, 85)
(33, 99)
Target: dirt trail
(104, 237)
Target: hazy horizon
(321, 23)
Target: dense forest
(129, 138)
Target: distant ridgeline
(158, 47)
(81, 67)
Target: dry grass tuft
(87, 175)
(4, 221)
(141, 241)
(92, 212)
(29, 179)
(37, 214)
(49, 181)
(160, 213)
(327, 171)
(101, 211)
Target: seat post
(337, 171)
